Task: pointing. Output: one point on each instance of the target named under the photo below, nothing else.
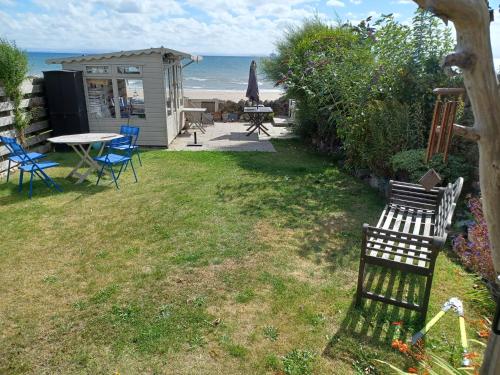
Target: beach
(232, 95)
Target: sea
(228, 73)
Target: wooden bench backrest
(447, 206)
(411, 195)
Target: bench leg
(361, 277)
(361, 272)
(427, 293)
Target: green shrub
(366, 88)
(13, 70)
(409, 165)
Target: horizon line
(102, 51)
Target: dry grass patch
(214, 263)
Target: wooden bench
(408, 236)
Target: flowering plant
(474, 248)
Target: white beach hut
(140, 87)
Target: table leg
(85, 159)
(74, 171)
(200, 126)
(93, 165)
(255, 127)
(263, 128)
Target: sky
(206, 27)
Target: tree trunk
(474, 56)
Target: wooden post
(474, 56)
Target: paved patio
(230, 136)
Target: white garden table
(82, 144)
(193, 120)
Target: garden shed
(140, 87)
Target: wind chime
(443, 122)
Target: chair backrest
(125, 144)
(14, 148)
(130, 131)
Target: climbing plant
(13, 70)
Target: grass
(230, 263)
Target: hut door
(171, 102)
(170, 93)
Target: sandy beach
(229, 95)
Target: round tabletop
(194, 109)
(85, 138)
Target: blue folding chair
(31, 166)
(109, 160)
(127, 131)
(15, 157)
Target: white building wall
(153, 128)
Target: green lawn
(233, 263)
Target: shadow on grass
(10, 194)
(305, 192)
(367, 331)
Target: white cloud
(356, 2)
(335, 3)
(240, 27)
(231, 27)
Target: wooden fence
(38, 131)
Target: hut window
(97, 69)
(131, 97)
(129, 69)
(100, 98)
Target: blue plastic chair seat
(112, 159)
(23, 159)
(123, 147)
(27, 162)
(38, 166)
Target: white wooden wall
(153, 127)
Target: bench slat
(416, 193)
(389, 251)
(416, 230)
(386, 219)
(396, 226)
(410, 186)
(413, 204)
(405, 247)
(413, 198)
(406, 228)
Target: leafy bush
(409, 166)
(474, 249)
(365, 88)
(13, 70)
(299, 362)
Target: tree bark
(474, 56)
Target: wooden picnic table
(257, 116)
(192, 119)
(82, 145)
